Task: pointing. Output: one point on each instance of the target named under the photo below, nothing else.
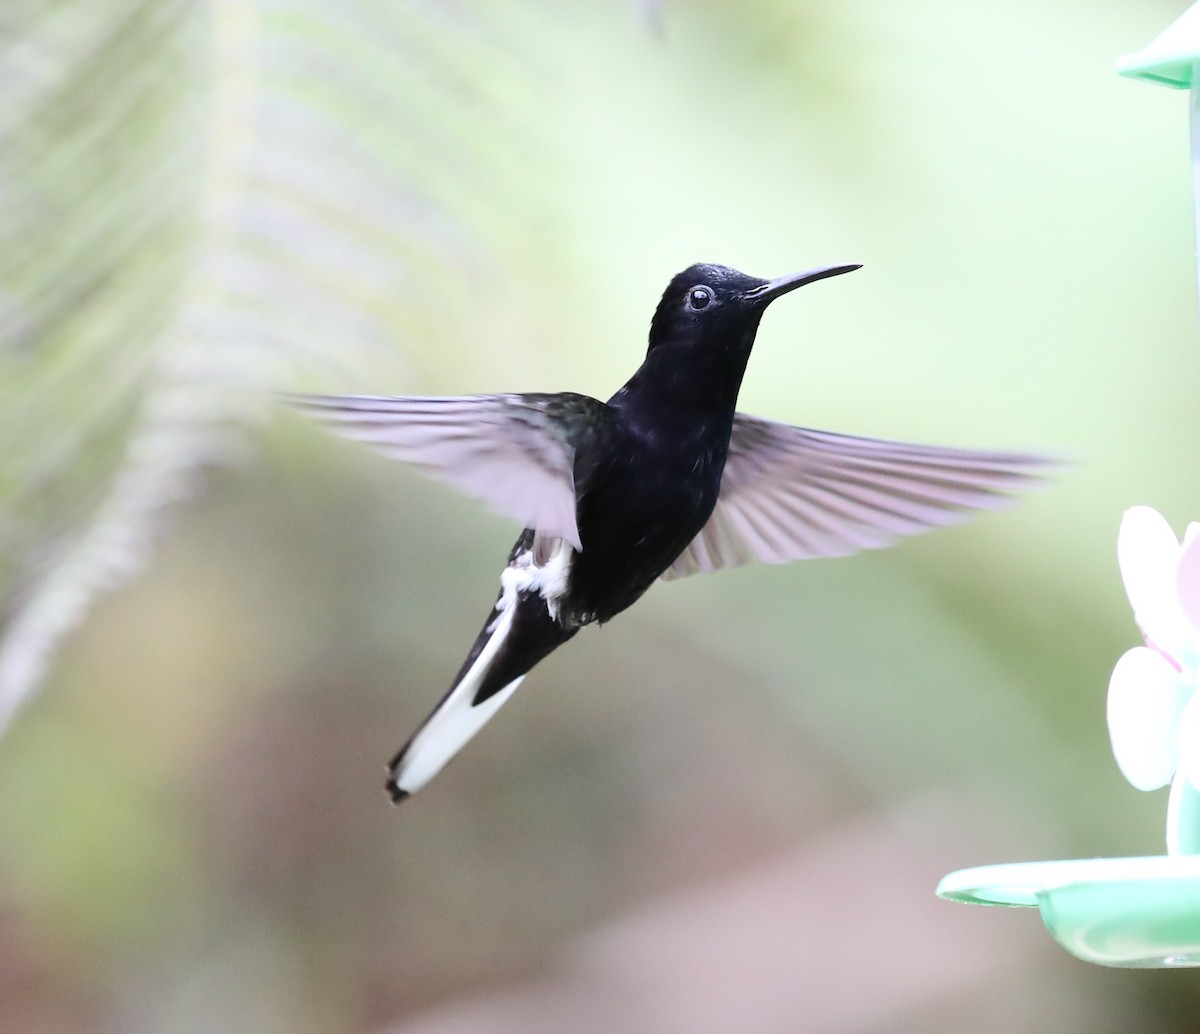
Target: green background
(725, 811)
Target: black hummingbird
(663, 480)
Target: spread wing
(789, 493)
(511, 451)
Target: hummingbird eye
(699, 297)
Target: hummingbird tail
(518, 634)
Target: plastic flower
(1153, 706)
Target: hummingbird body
(664, 489)
(664, 480)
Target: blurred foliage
(201, 203)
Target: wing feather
(790, 493)
(507, 450)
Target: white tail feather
(456, 719)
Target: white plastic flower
(1153, 704)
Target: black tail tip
(394, 791)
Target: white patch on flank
(456, 720)
(549, 580)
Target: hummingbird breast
(639, 512)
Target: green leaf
(201, 204)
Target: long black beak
(774, 288)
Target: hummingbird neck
(683, 388)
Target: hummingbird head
(714, 305)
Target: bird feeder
(1138, 912)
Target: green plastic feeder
(1170, 60)
(1128, 912)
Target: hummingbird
(664, 480)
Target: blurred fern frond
(196, 200)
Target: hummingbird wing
(512, 451)
(789, 493)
